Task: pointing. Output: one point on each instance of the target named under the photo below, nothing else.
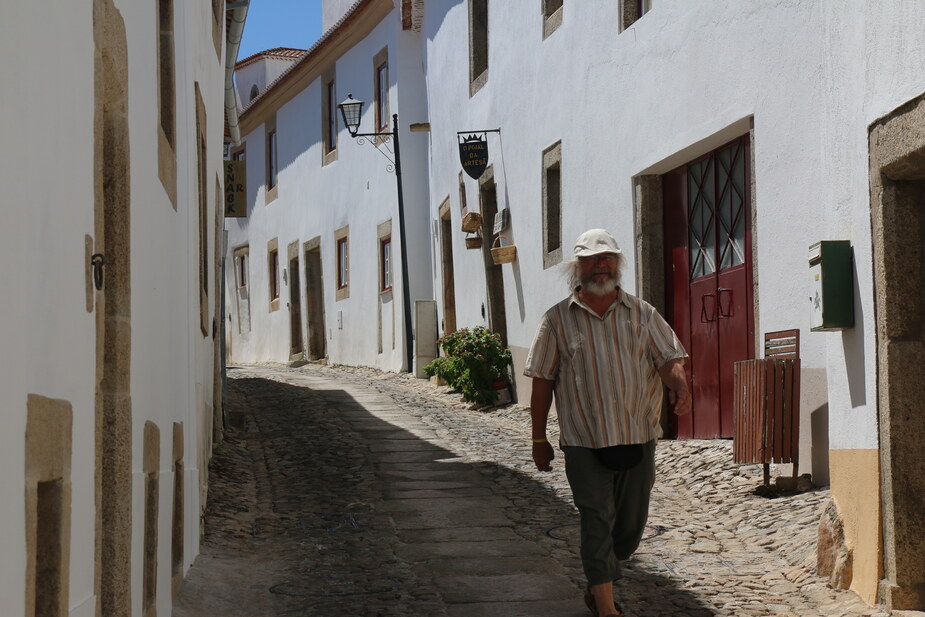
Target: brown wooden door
(449, 277)
(314, 293)
(708, 256)
(494, 277)
(295, 308)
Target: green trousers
(614, 507)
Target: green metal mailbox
(833, 291)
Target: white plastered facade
(259, 73)
(49, 346)
(803, 80)
(354, 189)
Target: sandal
(592, 606)
(589, 601)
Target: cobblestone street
(349, 492)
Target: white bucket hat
(595, 242)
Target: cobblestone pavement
(344, 491)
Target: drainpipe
(238, 10)
(238, 15)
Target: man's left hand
(680, 401)
(673, 376)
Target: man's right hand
(543, 455)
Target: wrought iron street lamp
(352, 110)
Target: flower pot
(503, 392)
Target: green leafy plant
(474, 360)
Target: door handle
(728, 312)
(704, 318)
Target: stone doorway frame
(112, 304)
(897, 190)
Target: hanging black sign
(473, 154)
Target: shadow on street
(318, 506)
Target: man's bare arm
(540, 402)
(673, 376)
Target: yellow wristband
(541, 440)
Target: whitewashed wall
(260, 73)
(48, 336)
(633, 100)
(679, 82)
(315, 200)
(874, 58)
(172, 362)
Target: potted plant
(475, 361)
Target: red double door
(709, 280)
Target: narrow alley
(345, 491)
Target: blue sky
(280, 23)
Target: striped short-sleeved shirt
(607, 388)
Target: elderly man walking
(604, 354)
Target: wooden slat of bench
(795, 412)
(737, 410)
(787, 411)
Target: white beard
(600, 289)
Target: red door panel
(705, 357)
(733, 261)
(732, 328)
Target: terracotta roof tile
(278, 53)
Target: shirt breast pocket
(634, 339)
(637, 364)
(577, 365)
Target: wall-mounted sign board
(235, 189)
(473, 155)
